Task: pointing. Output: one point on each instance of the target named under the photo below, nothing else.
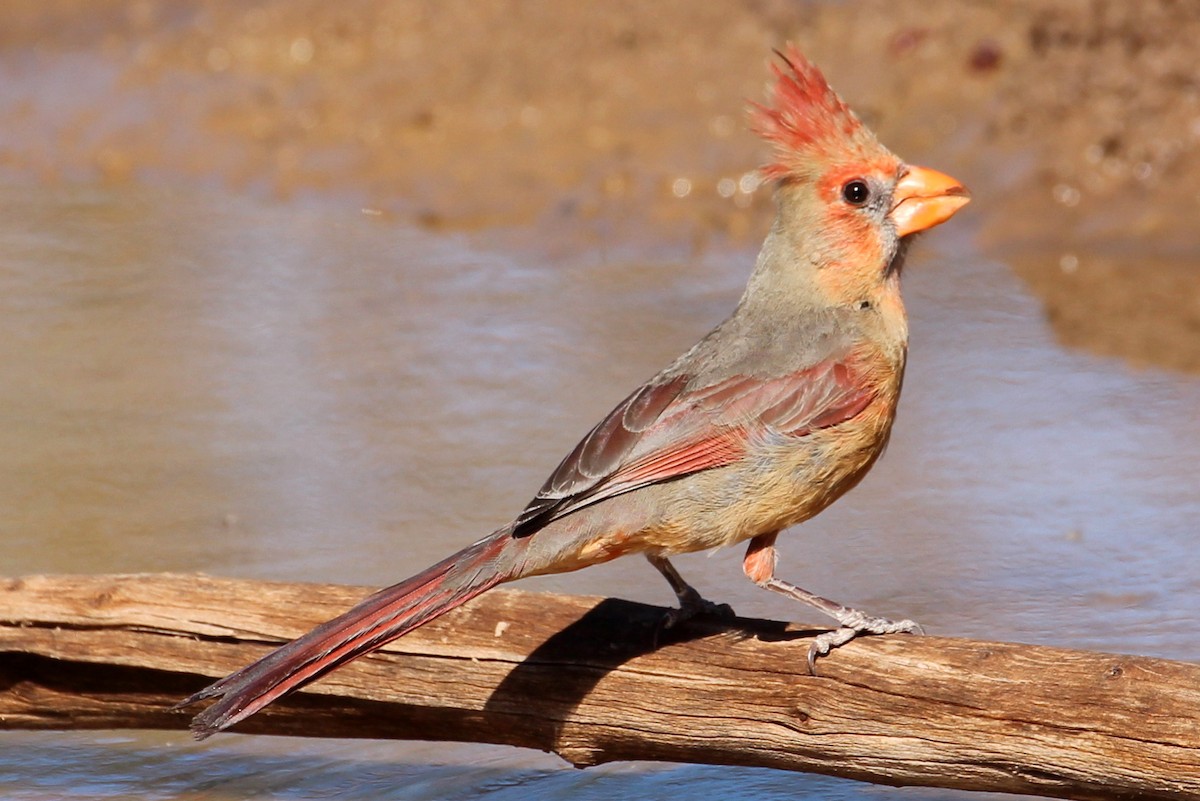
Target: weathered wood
(581, 677)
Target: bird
(763, 423)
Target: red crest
(806, 121)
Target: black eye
(856, 192)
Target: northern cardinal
(766, 421)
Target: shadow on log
(581, 677)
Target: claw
(855, 623)
(824, 643)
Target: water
(197, 381)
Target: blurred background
(322, 292)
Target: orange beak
(925, 198)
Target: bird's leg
(691, 603)
(759, 565)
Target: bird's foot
(691, 605)
(854, 623)
(701, 608)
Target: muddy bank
(1077, 124)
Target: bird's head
(846, 202)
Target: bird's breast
(781, 481)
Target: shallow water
(196, 381)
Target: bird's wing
(668, 429)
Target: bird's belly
(777, 485)
(776, 488)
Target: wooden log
(582, 677)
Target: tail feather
(383, 617)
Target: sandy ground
(1075, 122)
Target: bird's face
(869, 206)
(846, 202)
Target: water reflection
(122, 766)
(200, 382)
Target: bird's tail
(379, 619)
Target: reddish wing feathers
(662, 433)
(599, 454)
(722, 449)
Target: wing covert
(667, 430)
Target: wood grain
(581, 677)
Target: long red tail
(376, 621)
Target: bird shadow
(561, 672)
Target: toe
(822, 644)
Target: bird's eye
(856, 192)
